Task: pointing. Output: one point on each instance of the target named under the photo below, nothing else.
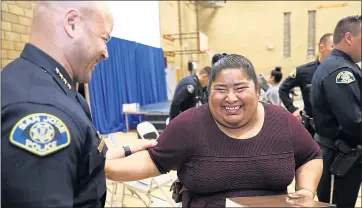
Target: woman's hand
(118, 152)
(302, 193)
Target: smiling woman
(234, 92)
(231, 147)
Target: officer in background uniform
(337, 109)
(190, 92)
(52, 155)
(302, 77)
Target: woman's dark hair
(217, 57)
(277, 74)
(233, 61)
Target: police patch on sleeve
(190, 88)
(293, 74)
(40, 133)
(345, 77)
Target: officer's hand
(297, 114)
(118, 152)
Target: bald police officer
(337, 111)
(52, 155)
(190, 92)
(302, 77)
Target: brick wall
(15, 26)
(249, 27)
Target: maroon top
(213, 166)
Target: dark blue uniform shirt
(48, 142)
(336, 99)
(301, 77)
(187, 94)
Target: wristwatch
(127, 151)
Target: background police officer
(51, 154)
(302, 77)
(190, 92)
(336, 102)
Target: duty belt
(331, 144)
(326, 142)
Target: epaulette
(307, 65)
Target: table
(274, 201)
(161, 108)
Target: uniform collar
(196, 79)
(343, 54)
(198, 82)
(47, 63)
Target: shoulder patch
(293, 74)
(345, 77)
(190, 88)
(40, 133)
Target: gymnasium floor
(131, 138)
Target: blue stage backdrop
(134, 73)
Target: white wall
(171, 78)
(137, 21)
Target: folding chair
(148, 186)
(167, 121)
(145, 128)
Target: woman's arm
(172, 149)
(137, 166)
(308, 159)
(307, 177)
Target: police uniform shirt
(187, 93)
(301, 77)
(51, 154)
(336, 98)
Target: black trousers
(346, 188)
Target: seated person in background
(233, 146)
(271, 96)
(190, 92)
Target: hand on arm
(134, 167)
(119, 152)
(169, 154)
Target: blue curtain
(134, 73)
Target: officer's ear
(70, 22)
(321, 48)
(348, 38)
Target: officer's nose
(231, 97)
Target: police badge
(40, 133)
(345, 77)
